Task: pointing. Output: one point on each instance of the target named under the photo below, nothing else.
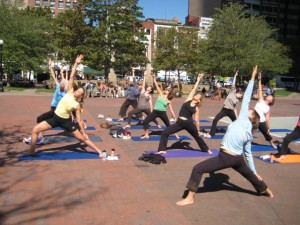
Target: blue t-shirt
(57, 96)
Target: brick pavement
(130, 191)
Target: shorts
(67, 124)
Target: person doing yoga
(190, 108)
(235, 143)
(62, 118)
(160, 108)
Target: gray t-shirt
(231, 101)
(144, 101)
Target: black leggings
(153, 115)
(224, 112)
(223, 161)
(139, 111)
(125, 106)
(264, 130)
(45, 116)
(287, 140)
(180, 124)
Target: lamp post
(1, 67)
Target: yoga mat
(262, 148)
(186, 153)
(88, 128)
(59, 155)
(293, 158)
(157, 138)
(278, 130)
(218, 136)
(61, 139)
(140, 127)
(209, 127)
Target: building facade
(56, 6)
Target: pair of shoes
(126, 137)
(28, 140)
(42, 141)
(206, 135)
(108, 119)
(100, 116)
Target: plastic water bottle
(104, 154)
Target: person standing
(132, 97)
(229, 108)
(235, 144)
(62, 117)
(262, 107)
(190, 108)
(163, 101)
(145, 104)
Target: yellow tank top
(66, 105)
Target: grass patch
(44, 90)
(14, 88)
(282, 93)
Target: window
(60, 4)
(68, 5)
(45, 3)
(52, 4)
(37, 3)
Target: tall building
(56, 6)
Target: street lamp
(1, 67)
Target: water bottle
(104, 154)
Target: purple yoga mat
(185, 153)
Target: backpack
(153, 158)
(116, 130)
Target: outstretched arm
(193, 91)
(78, 60)
(156, 85)
(144, 83)
(259, 91)
(234, 80)
(52, 71)
(247, 95)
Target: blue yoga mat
(59, 155)
(185, 153)
(125, 120)
(157, 138)
(88, 128)
(140, 127)
(209, 127)
(262, 148)
(55, 139)
(279, 130)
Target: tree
(26, 35)
(177, 50)
(237, 41)
(116, 40)
(71, 32)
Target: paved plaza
(130, 191)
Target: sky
(165, 9)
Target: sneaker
(42, 141)
(100, 116)
(27, 140)
(108, 119)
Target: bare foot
(177, 136)
(209, 151)
(127, 126)
(161, 152)
(185, 201)
(158, 126)
(121, 119)
(268, 193)
(145, 137)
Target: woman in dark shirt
(185, 121)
